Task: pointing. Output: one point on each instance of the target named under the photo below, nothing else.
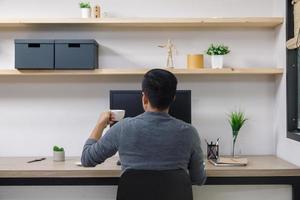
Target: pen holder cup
(212, 152)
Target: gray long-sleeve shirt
(150, 141)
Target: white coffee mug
(117, 114)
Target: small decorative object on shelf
(195, 61)
(236, 119)
(85, 9)
(217, 53)
(294, 42)
(170, 50)
(58, 154)
(97, 13)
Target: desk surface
(17, 167)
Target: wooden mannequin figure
(170, 50)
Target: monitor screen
(131, 102)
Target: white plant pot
(58, 156)
(85, 12)
(217, 61)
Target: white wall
(53, 110)
(41, 112)
(38, 112)
(279, 192)
(138, 8)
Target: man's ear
(145, 99)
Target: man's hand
(104, 119)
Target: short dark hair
(160, 87)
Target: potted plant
(85, 9)
(236, 119)
(58, 153)
(217, 53)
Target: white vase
(217, 61)
(85, 12)
(58, 156)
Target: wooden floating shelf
(270, 22)
(141, 71)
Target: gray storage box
(34, 54)
(76, 54)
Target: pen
(36, 160)
(206, 142)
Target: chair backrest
(155, 185)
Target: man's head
(159, 89)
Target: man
(153, 140)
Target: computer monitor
(131, 102)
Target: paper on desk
(224, 160)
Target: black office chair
(155, 185)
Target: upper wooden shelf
(141, 71)
(153, 22)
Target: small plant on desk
(58, 153)
(236, 119)
(217, 53)
(56, 148)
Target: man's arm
(97, 148)
(197, 164)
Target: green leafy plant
(85, 5)
(56, 148)
(217, 49)
(236, 119)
